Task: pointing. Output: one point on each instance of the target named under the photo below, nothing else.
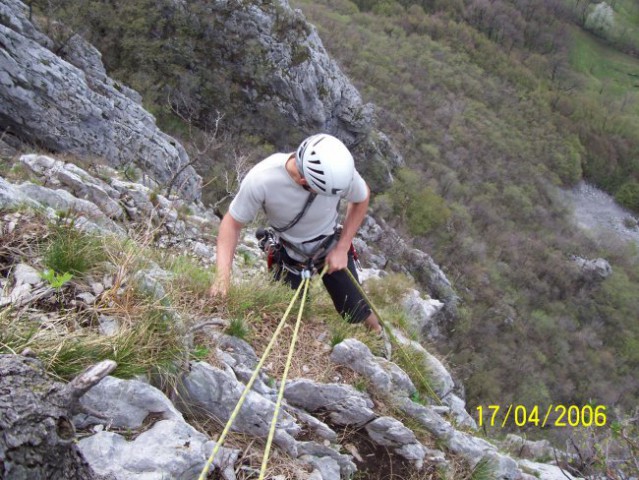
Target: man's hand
(337, 259)
(219, 288)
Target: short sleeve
(248, 200)
(358, 191)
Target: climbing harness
(273, 245)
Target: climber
(300, 194)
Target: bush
(628, 195)
(70, 250)
(418, 206)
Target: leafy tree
(601, 20)
(628, 195)
(418, 206)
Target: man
(300, 193)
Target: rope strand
(280, 394)
(391, 334)
(240, 402)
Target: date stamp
(551, 416)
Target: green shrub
(484, 470)
(190, 276)
(628, 195)
(418, 206)
(70, 250)
(237, 328)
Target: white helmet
(326, 164)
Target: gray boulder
(126, 404)
(240, 356)
(421, 314)
(544, 471)
(12, 197)
(325, 458)
(594, 270)
(471, 448)
(385, 376)
(45, 99)
(169, 449)
(213, 392)
(76, 180)
(390, 432)
(346, 406)
(26, 274)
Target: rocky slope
(212, 389)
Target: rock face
(595, 270)
(280, 68)
(36, 435)
(70, 105)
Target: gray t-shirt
(268, 186)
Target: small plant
(70, 250)
(361, 384)
(191, 277)
(386, 291)
(417, 398)
(54, 279)
(200, 352)
(237, 328)
(337, 337)
(412, 362)
(484, 470)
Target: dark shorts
(347, 299)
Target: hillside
(485, 132)
(466, 128)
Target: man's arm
(337, 259)
(227, 240)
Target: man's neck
(291, 168)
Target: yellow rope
(280, 394)
(390, 333)
(227, 428)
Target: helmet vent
(317, 179)
(314, 170)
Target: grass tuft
(237, 328)
(72, 251)
(484, 470)
(412, 362)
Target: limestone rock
(26, 274)
(543, 471)
(46, 99)
(37, 438)
(216, 392)
(421, 312)
(385, 376)
(594, 270)
(390, 432)
(170, 449)
(346, 405)
(126, 404)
